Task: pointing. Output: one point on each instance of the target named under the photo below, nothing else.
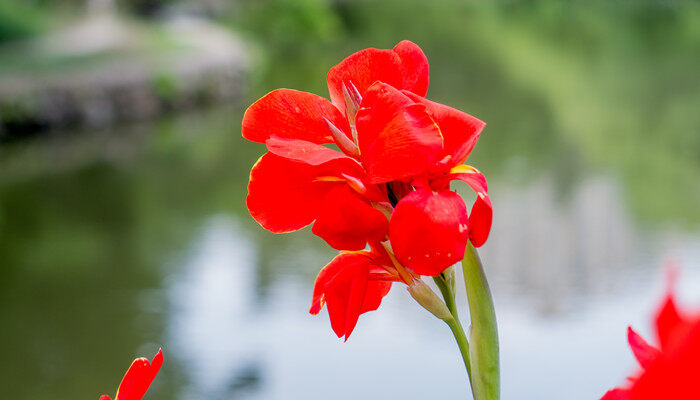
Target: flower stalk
(480, 351)
(447, 290)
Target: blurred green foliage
(287, 24)
(20, 19)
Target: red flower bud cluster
(371, 169)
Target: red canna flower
(671, 371)
(138, 378)
(351, 284)
(387, 187)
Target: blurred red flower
(138, 378)
(388, 186)
(672, 370)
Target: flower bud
(425, 296)
(449, 275)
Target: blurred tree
(145, 7)
(288, 24)
(20, 19)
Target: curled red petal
(471, 176)
(105, 397)
(396, 137)
(284, 195)
(347, 222)
(645, 353)
(139, 377)
(429, 230)
(404, 67)
(293, 114)
(308, 152)
(459, 129)
(480, 220)
(344, 285)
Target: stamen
(342, 140)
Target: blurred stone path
(103, 70)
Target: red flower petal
(645, 353)
(481, 216)
(288, 113)
(428, 230)
(675, 374)
(668, 322)
(480, 220)
(347, 222)
(105, 397)
(673, 371)
(397, 138)
(308, 152)
(345, 286)
(404, 67)
(376, 290)
(471, 176)
(283, 195)
(459, 129)
(345, 298)
(617, 394)
(139, 377)
(377, 273)
(415, 67)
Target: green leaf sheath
(483, 335)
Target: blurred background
(123, 175)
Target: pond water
(115, 242)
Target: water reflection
(212, 325)
(561, 247)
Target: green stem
(484, 332)
(447, 294)
(454, 323)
